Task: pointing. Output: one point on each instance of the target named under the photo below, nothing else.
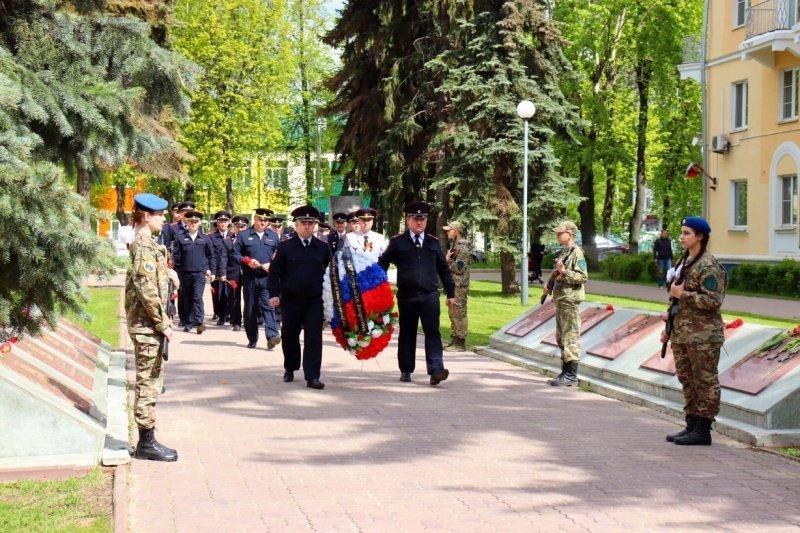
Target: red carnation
(246, 260)
(609, 307)
(233, 284)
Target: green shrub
(548, 261)
(782, 279)
(623, 267)
(649, 270)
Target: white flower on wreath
(351, 341)
(364, 343)
(370, 325)
(376, 333)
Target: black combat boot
(458, 345)
(699, 436)
(568, 376)
(149, 448)
(691, 420)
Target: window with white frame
(739, 204)
(789, 88)
(740, 12)
(739, 103)
(788, 200)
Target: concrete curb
(119, 499)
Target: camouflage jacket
(146, 287)
(699, 320)
(459, 263)
(569, 287)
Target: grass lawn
(81, 504)
(792, 452)
(103, 306)
(488, 310)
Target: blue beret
(306, 213)
(149, 202)
(697, 223)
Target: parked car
(605, 246)
(478, 256)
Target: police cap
(149, 202)
(277, 220)
(698, 224)
(222, 215)
(417, 209)
(263, 212)
(366, 213)
(306, 213)
(186, 206)
(193, 216)
(339, 217)
(240, 220)
(352, 216)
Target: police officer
(338, 234)
(234, 273)
(372, 242)
(193, 254)
(276, 224)
(458, 259)
(354, 221)
(295, 280)
(253, 250)
(146, 297)
(566, 283)
(420, 265)
(698, 286)
(219, 296)
(176, 229)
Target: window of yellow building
(739, 12)
(789, 88)
(739, 103)
(788, 200)
(739, 204)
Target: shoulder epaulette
(398, 235)
(434, 237)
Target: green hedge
(782, 279)
(624, 267)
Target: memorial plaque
(626, 336)
(756, 372)
(667, 364)
(533, 320)
(589, 318)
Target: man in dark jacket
(662, 255)
(295, 283)
(420, 265)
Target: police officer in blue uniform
(254, 250)
(171, 233)
(295, 280)
(420, 265)
(233, 273)
(219, 296)
(336, 237)
(193, 254)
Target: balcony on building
(771, 26)
(690, 67)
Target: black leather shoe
(315, 384)
(288, 376)
(200, 329)
(438, 377)
(220, 322)
(186, 329)
(405, 377)
(237, 328)
(251, 345)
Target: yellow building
(752, 127)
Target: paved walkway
(755, 305)
(494, 448)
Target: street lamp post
(320, 127)
(525, 110)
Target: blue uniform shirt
(248, 244)
(193, 256)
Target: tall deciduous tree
(243, 48)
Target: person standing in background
(458, 259)
(662, 255)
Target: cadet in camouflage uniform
(697, 335)
(567, 280)
(458, 259)
(146, 293)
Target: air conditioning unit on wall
(719, 144)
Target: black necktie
(305, 242)
(416, 241)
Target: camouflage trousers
(149, 379)
(696, 368)
(458, 316)
(568, 331)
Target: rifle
(171, 314)
(552, 281)
(672, 310)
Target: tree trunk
(644, 72)
(121, 216)
(608, 205)
(508, 273)
(586, 207)
(229, 204)
(443, 199)
(189, 196)
(84, 188)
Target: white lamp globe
(526, 109)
